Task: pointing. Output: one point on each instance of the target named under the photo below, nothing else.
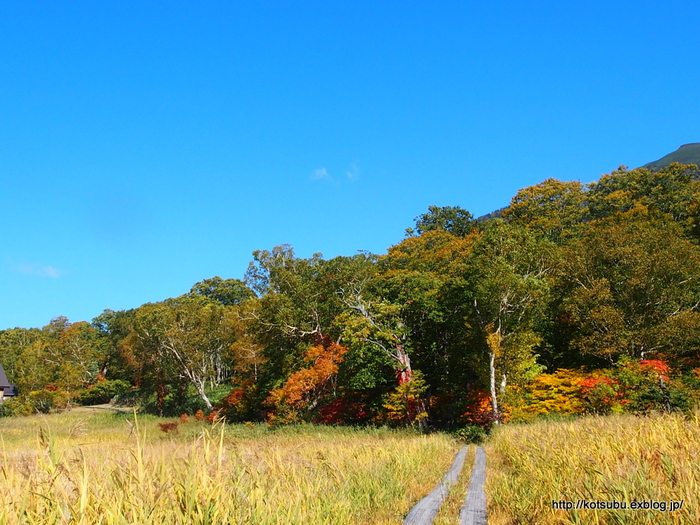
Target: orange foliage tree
(304, 389)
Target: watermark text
(592, 504)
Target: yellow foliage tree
(557, 393)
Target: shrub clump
(103, 392)
(471, 434)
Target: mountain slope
(686, 154)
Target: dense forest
(578, 298)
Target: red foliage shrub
(233, 406)
(214, 417)
(479, 409)
(602, 394)
(656, 365)
(169, 427)
(594, 382)
(342, 411)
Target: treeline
(580, 298)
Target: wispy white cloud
(353, 172)
(40, 270)
(321, 173)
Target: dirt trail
(92, 408)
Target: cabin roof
(5, 386)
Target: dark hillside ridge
(493, 215)
(686, 154)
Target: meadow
(617, 458)
(90, 467)
(101, 467)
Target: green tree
(81, 353)
(114, 326)
(452, 219)
(13, 343)
(183, 338)
(421, 274)
(634, 287)
(53, 363)
(228, 292)
(25, 357)
(381, 324)
(508, 284)
(294, 299)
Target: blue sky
(145, 146)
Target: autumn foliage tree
(304, 390)
(562, 306)
(555, 209)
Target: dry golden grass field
(653, 459)
(84, 467)
(92, 467)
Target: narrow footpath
(473, 512)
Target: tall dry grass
(110, 469)
(613, 458)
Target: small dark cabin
(6, 389)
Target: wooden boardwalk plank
(473, 511)
(426, 509)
